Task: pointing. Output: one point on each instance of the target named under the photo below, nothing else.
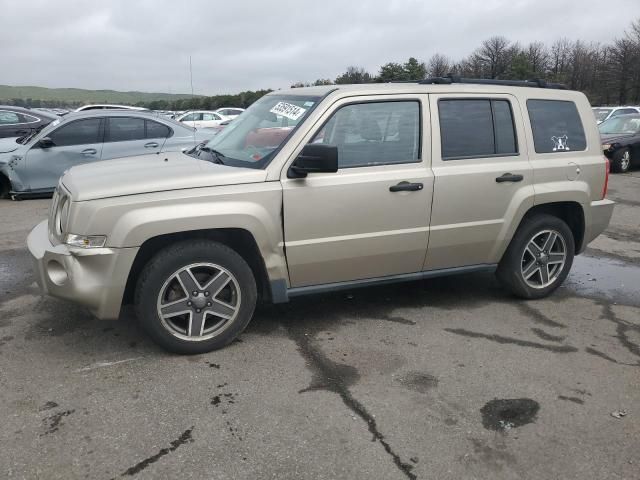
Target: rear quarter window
(556, 126)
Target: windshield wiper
(217, 156)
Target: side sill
(284, 296)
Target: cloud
(249, 44)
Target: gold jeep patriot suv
(326, 188)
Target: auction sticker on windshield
(288, 110)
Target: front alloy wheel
(198, 301)
(195, 296)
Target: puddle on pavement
(605, 278)
(508, 413)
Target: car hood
(152, 173)
(614, 137)
(8, 145)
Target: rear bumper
(95, 278)
(597, 218)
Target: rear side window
(472, 128)
(82, 132)
(157, 130)
(556, 126)
(122, 129)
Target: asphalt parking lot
(447, 378)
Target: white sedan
(202, 119)
(230, 112)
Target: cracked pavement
(445, 378)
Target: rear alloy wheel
(539, 257)
(195, 296)
(621, 161)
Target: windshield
(621, 125)
(601, 113)
(254, 138)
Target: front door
(74, 143)
(482, 177)
(370, 219)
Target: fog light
(57, 273)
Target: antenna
(191, 79)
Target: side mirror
(45, 142)
(315, 158)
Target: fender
(132, 220)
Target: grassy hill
(41, 96)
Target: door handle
(89, 151)
(151, 145)
(509, 177)
(406, 187)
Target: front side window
(556, 126)
(123, 129)
(188, 118)
(82, 132)
(9, 118)
(254, 138)
(376, 133)
(475, 128)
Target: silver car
(32, 165)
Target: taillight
(607, 167)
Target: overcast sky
(249, 44)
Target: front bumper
(95, 278)
(597, 218)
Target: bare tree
(439, 66)
(537, 56)
(493, 55)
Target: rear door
(127, 136)
(482, 177)
(74, 143)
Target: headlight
(85, 241)
(61, 215)
(606, 146)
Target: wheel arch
(5, 185)
(238, 239)
(570, 212)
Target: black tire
(161, 269)
(5, 187)
(510, 270)
(621, 161)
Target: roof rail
(535, 83)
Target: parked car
(201, 119)
(621, 141)
(32, 164)
(605, 113)
(361, 185)
(106, 106)
(18, 121)
(230, 113)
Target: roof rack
(535, 83)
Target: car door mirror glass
(315, 158)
